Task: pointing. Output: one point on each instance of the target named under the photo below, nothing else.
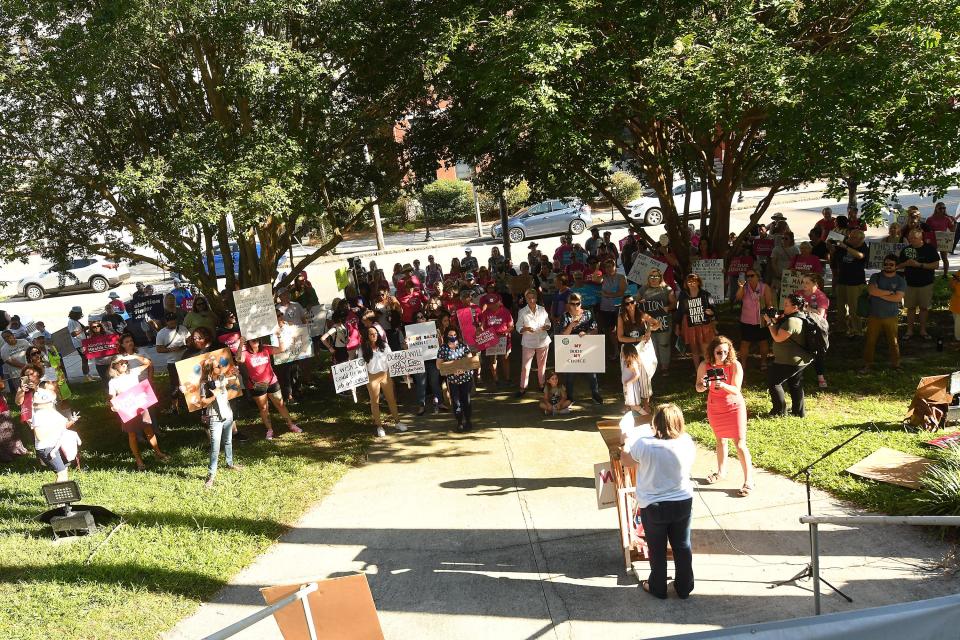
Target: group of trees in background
(182, 126)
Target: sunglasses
(720, 352)
(629, 302)
(653, 276)
(573, 304)
(751, 275)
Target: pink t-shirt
(938, 223)
(806, 264)
(258, 367)
(816, 301)
(489, 298)
(498, 321)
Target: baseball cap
(468, 250)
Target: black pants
(663, 521)
(570, 378)
(792, 376)
(460, 397)
(84, 363)
(288, 375)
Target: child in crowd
(554, 396)
(56, 445)
(636, 383)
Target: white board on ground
(406, 362)
(349, 375)
(256, 313)
(790, 281)
(711, 272)
(423, 336)
(642, 266)
(575, 354)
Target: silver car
(545, 218)
(90, 272)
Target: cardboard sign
(878, 250)
(575, 354)
(196, 371)
(349, 375)
(341, 608)
(63, 341)
(147, 307)
(134, 401)
(945, 241)
(406, 362)
(712, 274)
(836, 236)
(101, 346)
(605, 484)
(467, 363)
(642, 266)
(300, 345)
(256, 313)
(499, 349)
(790, 281)
(423, 337)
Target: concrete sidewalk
(496, 534)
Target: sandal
(714, 478)
(141, 466)
(745, 490)
(645, 585)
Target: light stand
(68, 518)
(807, 571)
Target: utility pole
(503, 227)
(378, 225)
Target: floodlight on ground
(62, 495)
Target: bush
(448, 201)
(939, 493)
(624, 186)
(517, 197)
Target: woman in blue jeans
(664, 456)
(429, 379)
(218, 414)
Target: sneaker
(520, 393)
(381, 433)
(295, 429)
(597, 399)
(269, 434)
(401, 427)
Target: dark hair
(365, 347)
(32, 367)
(891, 256)
(797, 300)
(32, 351)
(205, 332)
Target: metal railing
(266, 612)
(815, 521)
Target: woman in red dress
(721, 376)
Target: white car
(90, 272)
(647, 209)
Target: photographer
(790, 357)
(849, 279)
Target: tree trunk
(852, 185)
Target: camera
(770, 313)
(714, 375)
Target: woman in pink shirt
(806, 261)
(498, 320)
(940, 221)
(818, 303)
(254, 357)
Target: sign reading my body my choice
(576, 354)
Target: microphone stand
(807, 572)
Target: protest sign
(579, 354)
(476, 341)
(605, 485)
(467, 363)
(406, 362)
(319, 314)
(297, 341)
(836, 236)
(499, 349)
(62, 340)
(423, 336)
(945, 241)
(484, 340)
(762, 248)
(256, 313)
(101, 346)
(349, 375)
(791, 281)
(879, 249)
(134, 401)
(147, 307)
(216, 366)
(342, 276)
(711, 272)
(642, 266)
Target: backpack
(816, 334)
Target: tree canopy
(155, 123)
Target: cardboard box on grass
(342, 608)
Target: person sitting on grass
(554, 396)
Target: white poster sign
(318, 319)
(256, 313)
(642, 266)
(349, 375)
(423, 336)
(711, 272)
(299, 346)
(499, 349)
(836, 236)
(879, 249)
(575, 354)
(406, 362)
(945, 241)
(790, 282)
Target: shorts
(918, 297)
(753, 332)
(606, 320)
(53, 458)
(257, 391)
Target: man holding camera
(790, 356)
(851, 260)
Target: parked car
(90, 272)
(646, 209)
(547, 218)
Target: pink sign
(467, 329)
(134, 401)
(101, 346)
(486, 339)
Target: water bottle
(741, 279)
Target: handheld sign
(256, 313)
(945, 241)
(349, 375)
(212, 366)
(711, 272)
(406, 362)
(299, 347)
(451, 367)
(499, 349)
(423, 336)
(147, 307)
(101, 346)
(880, 249)
(134, 401)
(836, 236)
(576, 354)
(642, 266)
(62, 340)
(791, 281)
(484, 340)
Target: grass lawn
(178, 543)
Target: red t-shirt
(807, 264)
(826, 225)
(259, 369)
(410, 304)
(489, 298)
(499, 322)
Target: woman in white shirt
(123, 380)
(664, 457)
(374, 350)
(532, 325)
